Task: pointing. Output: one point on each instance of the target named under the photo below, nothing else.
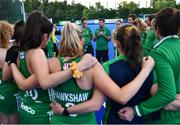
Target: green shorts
(7, 98)
(88, 118)
(34, 113)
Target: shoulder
(53, 61)
(165, 50)
(97, 29)
(88, 28)
(2, 53)
(107, 64)
(168, 44)
(36, 54)
(3, 50)
(106, 28)
(150, 33)
(54, 65)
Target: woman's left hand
(57, 108)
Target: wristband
(136, 111)
(65, 112)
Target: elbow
(44, 85)
(171, 97)
(23, 88)
(124, 102)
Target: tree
(98, 6)
(125, 8)
(132, 6)
(178, 6)
(63, 11)
(160, 4)
(32, 5)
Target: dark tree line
(63, 11)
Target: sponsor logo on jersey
(32, 93)
(27, 109)
(2, 97)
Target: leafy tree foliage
(160, 4)
(63, 11)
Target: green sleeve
(143, 37)
(96, 32)
(108, 63)
(90, 31)
(166, 86)
(50, 48)
(106, 67)
(148, 45)
(108, 32)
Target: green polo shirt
(167, 66)
(150, 41)
(102, 42)
(143, 37)
(87, 36)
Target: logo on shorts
(27, 108)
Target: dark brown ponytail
(35, 27)
(129, 40)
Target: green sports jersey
(121, 73)
(50, 48)
(102, 42)
(87, 35)
(35, 103)
(167, 59)
(108, 63)
(69, 94)
(150, 41)
(143, 37)
(8, 91)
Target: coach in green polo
(102, 37)
(88, 36)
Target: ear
(157, 31)
(116, 44)
(45, 37)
